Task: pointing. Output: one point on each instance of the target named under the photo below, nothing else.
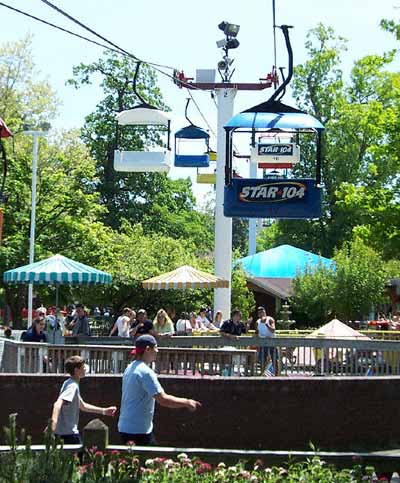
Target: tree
(241, 297)
(160, 204)
(349, 291)
(23, 98)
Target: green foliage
(360, 280)
(348, 292)
(312, 295)
(242, 297)
(23, 98)
(360, 155)
(23, 465)
(54, 465)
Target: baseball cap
(260, 308)
(142, 342)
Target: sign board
(275, 155)
(272, 198)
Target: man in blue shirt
(36, 333)
(140, 390)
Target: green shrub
(55, 465)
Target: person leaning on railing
(36, 333)
(265, 329)
(234, 327)
(183, 325)
(142, 325)
(80, 323)
(163, 325)
(121, 325)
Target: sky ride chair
(278, 197)
(207, 176)
(195, 140)
(143, 115)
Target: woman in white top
(183, 326)
(196, 323)
(122, 323)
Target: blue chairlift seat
(192, 133)
(277, 198)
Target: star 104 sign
(272, 198)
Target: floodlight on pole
(229, 29)
(230, 42)
(35, 136)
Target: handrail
(217, 355)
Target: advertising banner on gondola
(272, 198)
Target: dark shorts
(139, 439)
(70, 438)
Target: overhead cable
(57, 27)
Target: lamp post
(35, 135)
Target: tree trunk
(15, 299)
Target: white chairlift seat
(142, 116)
(142, 161)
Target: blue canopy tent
(284, 261)
(270, 273)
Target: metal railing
(216, 355)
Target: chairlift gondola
(276, 197)
(143, 115)
(207, 176)
(192, 137)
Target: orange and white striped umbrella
(185, 277)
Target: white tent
(335, 329)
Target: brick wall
(278, 413)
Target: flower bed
(55, 465)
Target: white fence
(200, 356)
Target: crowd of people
(131, 323)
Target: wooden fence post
(95, 433)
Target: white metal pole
(223, 225)
(33, 219)
(252, 221)
(35, 135)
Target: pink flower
(204, 468)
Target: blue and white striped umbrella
(57, 270)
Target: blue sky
(183, 35)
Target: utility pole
(252, 221)
(225, 91)
(223, 225)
